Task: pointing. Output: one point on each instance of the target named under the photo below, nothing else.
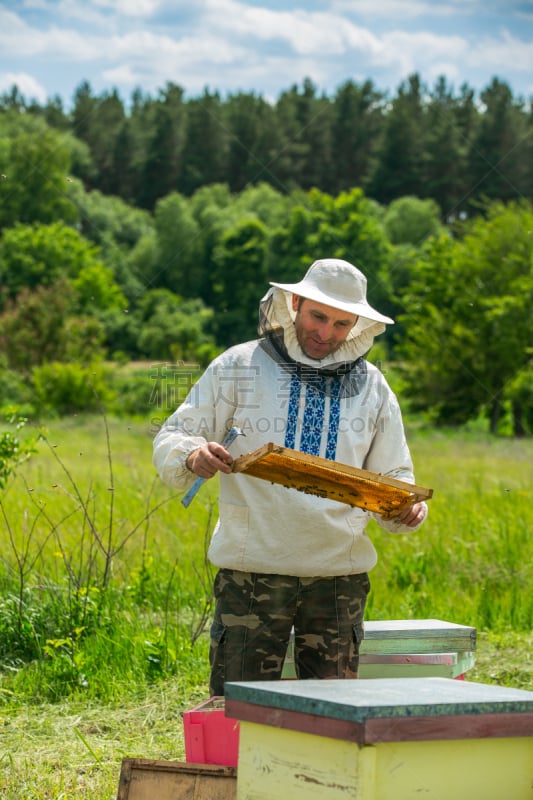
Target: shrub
(70, 388)
(13, 451)
(15, 391)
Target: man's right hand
(209, 459)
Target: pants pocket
(217, 657)
(358, 635)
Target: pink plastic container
(210, 736)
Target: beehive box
(382, 739)
(406, 648)
(325, 478)
(210, 736)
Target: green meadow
(105, 592)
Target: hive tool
(227, 440)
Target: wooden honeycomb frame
(325, 478)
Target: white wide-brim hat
(338, 284)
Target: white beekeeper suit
(340, 408)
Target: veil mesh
(341, 379)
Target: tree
(356, 131)
(44, 256)
(469, 332)
(83, 112)
(289, 251)
(410, 220)
(137, 135)
(97, 291)
(352, 229)
(42, 325)
(38, 255)
(112, 148)
(141, 264)
(435, 346)
(171, 328)
(321, 226)
(498, 167)
(164, 154)
(205, 154)
(33, 183)
(445, 152)
(497, 251)
(124, 157)
(214, 211)
(305, 121)
(104, 127)
(180, 257)
(239, 280)
(399, 162)
(105, 219)
(55, 115)
(519, 391)
(255, 142)
(264, 202)
(410, 225)
(117, 228)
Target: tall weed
(93, 600)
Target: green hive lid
(363, 700)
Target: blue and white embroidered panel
(313, 421)
(334, 419)
(312, 425)
(292, 412)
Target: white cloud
(231, 44)
(326, 35)
(398, 9)
(149, 60)
(307, 33)
(121, 76)
(18, 39)
(99, 13)
(131, 8)
(39, 4)
(502, 53)
(68, 10)
(27, 85)
(415, 51)
(10, 24)
(67, 44)
(153, 51)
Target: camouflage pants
(254, 615)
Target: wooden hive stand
(143, 779)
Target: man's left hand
(412, 516)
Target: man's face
(320, 329)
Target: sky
(49, 47)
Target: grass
(74, 750)
(116, 594)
